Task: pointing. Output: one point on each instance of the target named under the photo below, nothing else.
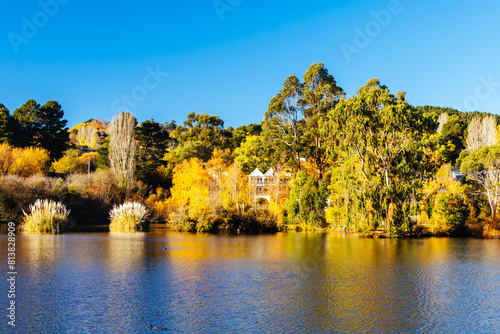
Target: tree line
(366, 163)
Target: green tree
(378, 128)
(152, 142)
(307, 202)
(198, 137)
(320, 94)
(25, 122)
(453, 135)
(52, 132)
(451, 213)
(282, 125)
(5, 124)
(41, 126)
(103, 155)
(254, 153)
(483, 167)
(239, 135)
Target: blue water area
(280, 283)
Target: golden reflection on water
(285, 282)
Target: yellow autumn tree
(6, 158)
(442, 181)
(216, 168)
(190, 189)
(74, 162)
(234, 188)
(88, 134)
(85, 159)
(29, 161)
(445, 207)
(67, 164)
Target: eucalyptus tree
(282, 125)
(377, 128)
(198, 137)
(320, 94)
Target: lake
(280, 283)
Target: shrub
(46, 216)
(450, 215)
(307, 202)
(130, 216)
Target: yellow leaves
(191, 186)
(497, 134)
(73, 162)
(443, 181)
(204, 190)
(6, 158)
(23, 161)
(234, 187)
(88, 134)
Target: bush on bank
(46, 216)
(129, 216)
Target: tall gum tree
(282, 123)
(320, 94)
(377, 128)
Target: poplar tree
(122, 149)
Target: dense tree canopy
(369, 163)
(198, 137)
(377, 128)
(42, 126)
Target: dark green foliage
(103, 155)
(454, 133)
(26, 126)
(5, 124)
(41, 126)
(455, 211)
(53, 134)
(307, 201)
(240, 134)
(199, 136)
(153, 139)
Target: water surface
(282, 283)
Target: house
(259, 183)
(456, 175)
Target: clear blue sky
(87, 54)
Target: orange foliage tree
(23, 161)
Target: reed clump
(129, 216)
(46, 216)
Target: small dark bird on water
(157, 328)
